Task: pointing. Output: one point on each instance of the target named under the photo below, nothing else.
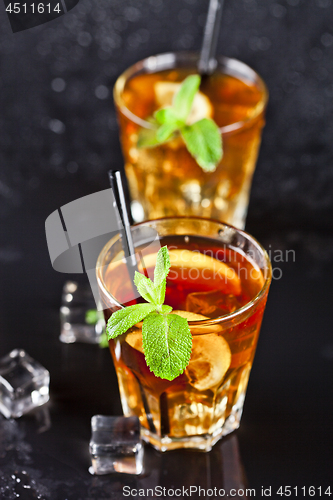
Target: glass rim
(168, 60)
(210, 321)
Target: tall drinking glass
(166, 180)
(219, 280)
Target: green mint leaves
(202, 138)
(203, 141)
(167, 339)
(167, 343)
(184, 98)
(155, 292)
(124, 319)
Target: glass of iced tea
(166, 180)
(219, 280)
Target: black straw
(125, 218)
(207, 62)
(123, 221)
(129, 251)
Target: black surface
(286, 432)
(57, 145)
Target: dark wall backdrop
(59, 136)
(57, 117)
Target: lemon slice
(210, 358)
(187, 259)
(196, 330)
(189, 315)
(201, 108)
(210, 361)
(118, 259)
(134, 339)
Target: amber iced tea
(222, 290)
(166, 180)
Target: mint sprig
(202, 138)
(166, 338)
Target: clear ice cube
(115, 445)
(80, 321)
(24, 384)
(212, 304)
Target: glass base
(190, 425)
(205, 442)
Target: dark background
(58, 138)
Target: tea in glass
(166, 180)
(219, 281)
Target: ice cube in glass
(115, 445)
(24, 384)
(80, 321)
(212, 304)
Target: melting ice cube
(115, 445)
(24, 384)
(212, 304)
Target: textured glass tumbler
(205, 402)
(166, 180)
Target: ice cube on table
(80, 321)
(24, 384)
(212, 304)
(115, 445)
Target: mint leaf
(165, 309)
(169, 123)
(166, 115)
(161, 271)
(124, 319)
(165, 132)
(146, 288)
(147, 138)
(162, 266)
(167, 344)
(155, 292)
(203, 140)
(183, 99)
(160, 294)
